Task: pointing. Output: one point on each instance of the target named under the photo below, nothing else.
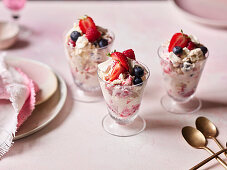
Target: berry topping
(179, 39)
(73, 43)
(129, 53)
(92, 34)
(137, 80)
(103, 42)
(75, 35)
(138, 71)
(177, 50)
(117, 56)
(117, 70)
(191, 46)
(203, 49)
(85, 23)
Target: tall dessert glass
(15, 6)
(83, 65)
(123, 103)
(180, 86)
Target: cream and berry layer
(122, 96)
(182, 68)
(84, 56)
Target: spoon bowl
(208, 129)
(205, 126)
(194, 137)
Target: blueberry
(103, 43)
(75, 35)
(177, 50)
(138, 71)
(203, 49)
(137, 80)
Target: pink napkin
(17, 97)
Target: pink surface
(209, 9)
(75, 139)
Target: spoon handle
(219, 144)
(208, 159)
(218, 158)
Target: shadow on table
(161, 123)
(20, 44)
(209, 104)
(60, 118)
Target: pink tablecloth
(75, 139)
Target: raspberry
(191, 46)
(129, 53)
(92, 34)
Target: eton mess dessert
(182, 59)
(122, 81)
(86, 46)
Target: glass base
(113, 128)
(86, 97)
(191, 106)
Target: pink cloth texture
(17, 97)
(29, 104)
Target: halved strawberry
(179, 39)
(130, 54)
(191, 46)
(117, 70)
(92, 34)
(121, 58)
(85, 23)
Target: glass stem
(15, 16)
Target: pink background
(75, 139)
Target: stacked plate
(50, 98)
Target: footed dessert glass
(84, 67)
(180, 86)
(123, 103)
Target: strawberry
(85, 23)
(92, 34)
(121, 58)
(130, 54)
(191, 46)
(178, 39)
(117, 70)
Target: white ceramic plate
(208, 12)
(44, 113)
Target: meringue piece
(194, 39)
(187, 66)
(196, 55)
(81, 42)
(105, 66)
(174, 59)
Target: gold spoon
(208, 159)
(208, 129)
(197, 140)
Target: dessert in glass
(86, 45)
(182, 60)
(122, 80)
